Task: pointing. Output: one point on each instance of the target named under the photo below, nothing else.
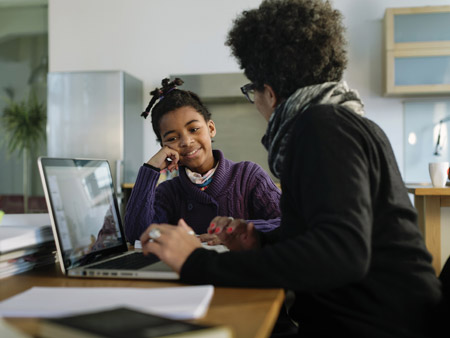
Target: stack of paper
(186, 302)
(26, 241)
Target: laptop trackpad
(159, 266)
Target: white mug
(438, 173)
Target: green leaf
(23, 124)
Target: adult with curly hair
(348, 245)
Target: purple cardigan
(241, 190)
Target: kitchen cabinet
(417, 51)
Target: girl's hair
(289, 44)
(170, 99)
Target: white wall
(151, 39)
(364, 21)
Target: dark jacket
(348, 245)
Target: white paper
(187, 302)
(18, 231)
(16, 237)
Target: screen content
(83, 202)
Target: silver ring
(154, 233)
(191, 232)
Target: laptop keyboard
(128, 262)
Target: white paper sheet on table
(187, 302)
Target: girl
(208, 184)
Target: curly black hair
(170, 99)
(289, 44)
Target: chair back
(443, 311)
(444, 277)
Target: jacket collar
(220, 183)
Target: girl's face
(186, 131)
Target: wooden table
(428, 202)
(249, 312)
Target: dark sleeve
(330, 193)
(265, 201)
(141, 209)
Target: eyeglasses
(249, 91)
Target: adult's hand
(236, 234)
(172, 244)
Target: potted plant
(23, 126)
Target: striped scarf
(280, 124)
(201, 181)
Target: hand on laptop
(172, 244)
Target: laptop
(86, 223)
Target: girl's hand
(172, 244)
(211, 239)
(165, 158)
(236, 234)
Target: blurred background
(150, 40)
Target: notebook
(86, 223)
(127, 322)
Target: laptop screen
(84, 208)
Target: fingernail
(212, 225)
(229, 230)
(217, 230)
(210, 231)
